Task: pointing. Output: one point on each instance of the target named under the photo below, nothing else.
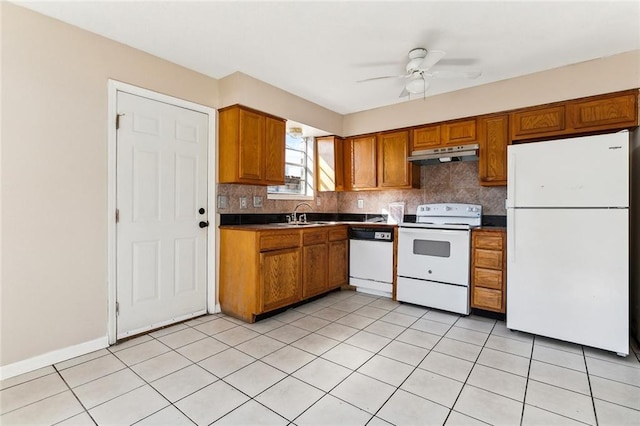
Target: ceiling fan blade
(404, 93)
(432, 58)
(454, 74)
(383, 77)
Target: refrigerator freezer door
(590, 171)
(568, 275)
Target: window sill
(293, 197)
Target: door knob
(203, 224)
(201, 211)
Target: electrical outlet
(318, 201)
(243, 202)
(222, 202)
(257, 201)
(360, 203)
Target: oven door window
(432, 248)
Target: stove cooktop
(448, 215)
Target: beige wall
(54, 175)
(611, 74)
(239, 88)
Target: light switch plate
(257, 201)
(223, 202)
(360, 203)
(243, 202)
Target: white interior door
(161, 182)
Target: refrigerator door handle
(511, 236)
(511, 181)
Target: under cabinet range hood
(445, 154)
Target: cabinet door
(363, 162)
(426, 137)
(615, 112)
(493, 141)
(274, 151)
(338, 263)
(459, 132)
(250, 166)
(393, 168)
(314, 275)
(329, 164)
(339, 164)
(280, 278)
(538, 122)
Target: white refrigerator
(568, 240)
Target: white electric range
(434, 256)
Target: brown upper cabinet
(251, 147)
(380, 162)
(329, 163)
(457, 132)
(361, 163)
(594, 114)
(394, 171)
(493, 140)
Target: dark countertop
(488, 221)
(492, 228)
(310, 225)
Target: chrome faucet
(294, 218)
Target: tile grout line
(526, 386)
(469, 374)
(593, 402)
(75, 396)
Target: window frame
(309, 167)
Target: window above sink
(299, 164)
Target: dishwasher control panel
(382, 235)
(372, 234)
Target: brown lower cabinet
(266, 269)
(488, 269)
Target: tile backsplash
(453, 182)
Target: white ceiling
(318, 50)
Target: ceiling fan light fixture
(416, 86)
(295, 132)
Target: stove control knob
(447, 208)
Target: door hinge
(117, 215)
(117, 308)
(118, 120)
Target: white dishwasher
(371, 259)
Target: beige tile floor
(344, 359)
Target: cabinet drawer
(488, 240)
(278, 240)
(487, 278)
(484, 298)
(314, 237)
(490, 259)
(337, 234)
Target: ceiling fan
(420, 63)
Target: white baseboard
(53, 357)
(217, 309)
